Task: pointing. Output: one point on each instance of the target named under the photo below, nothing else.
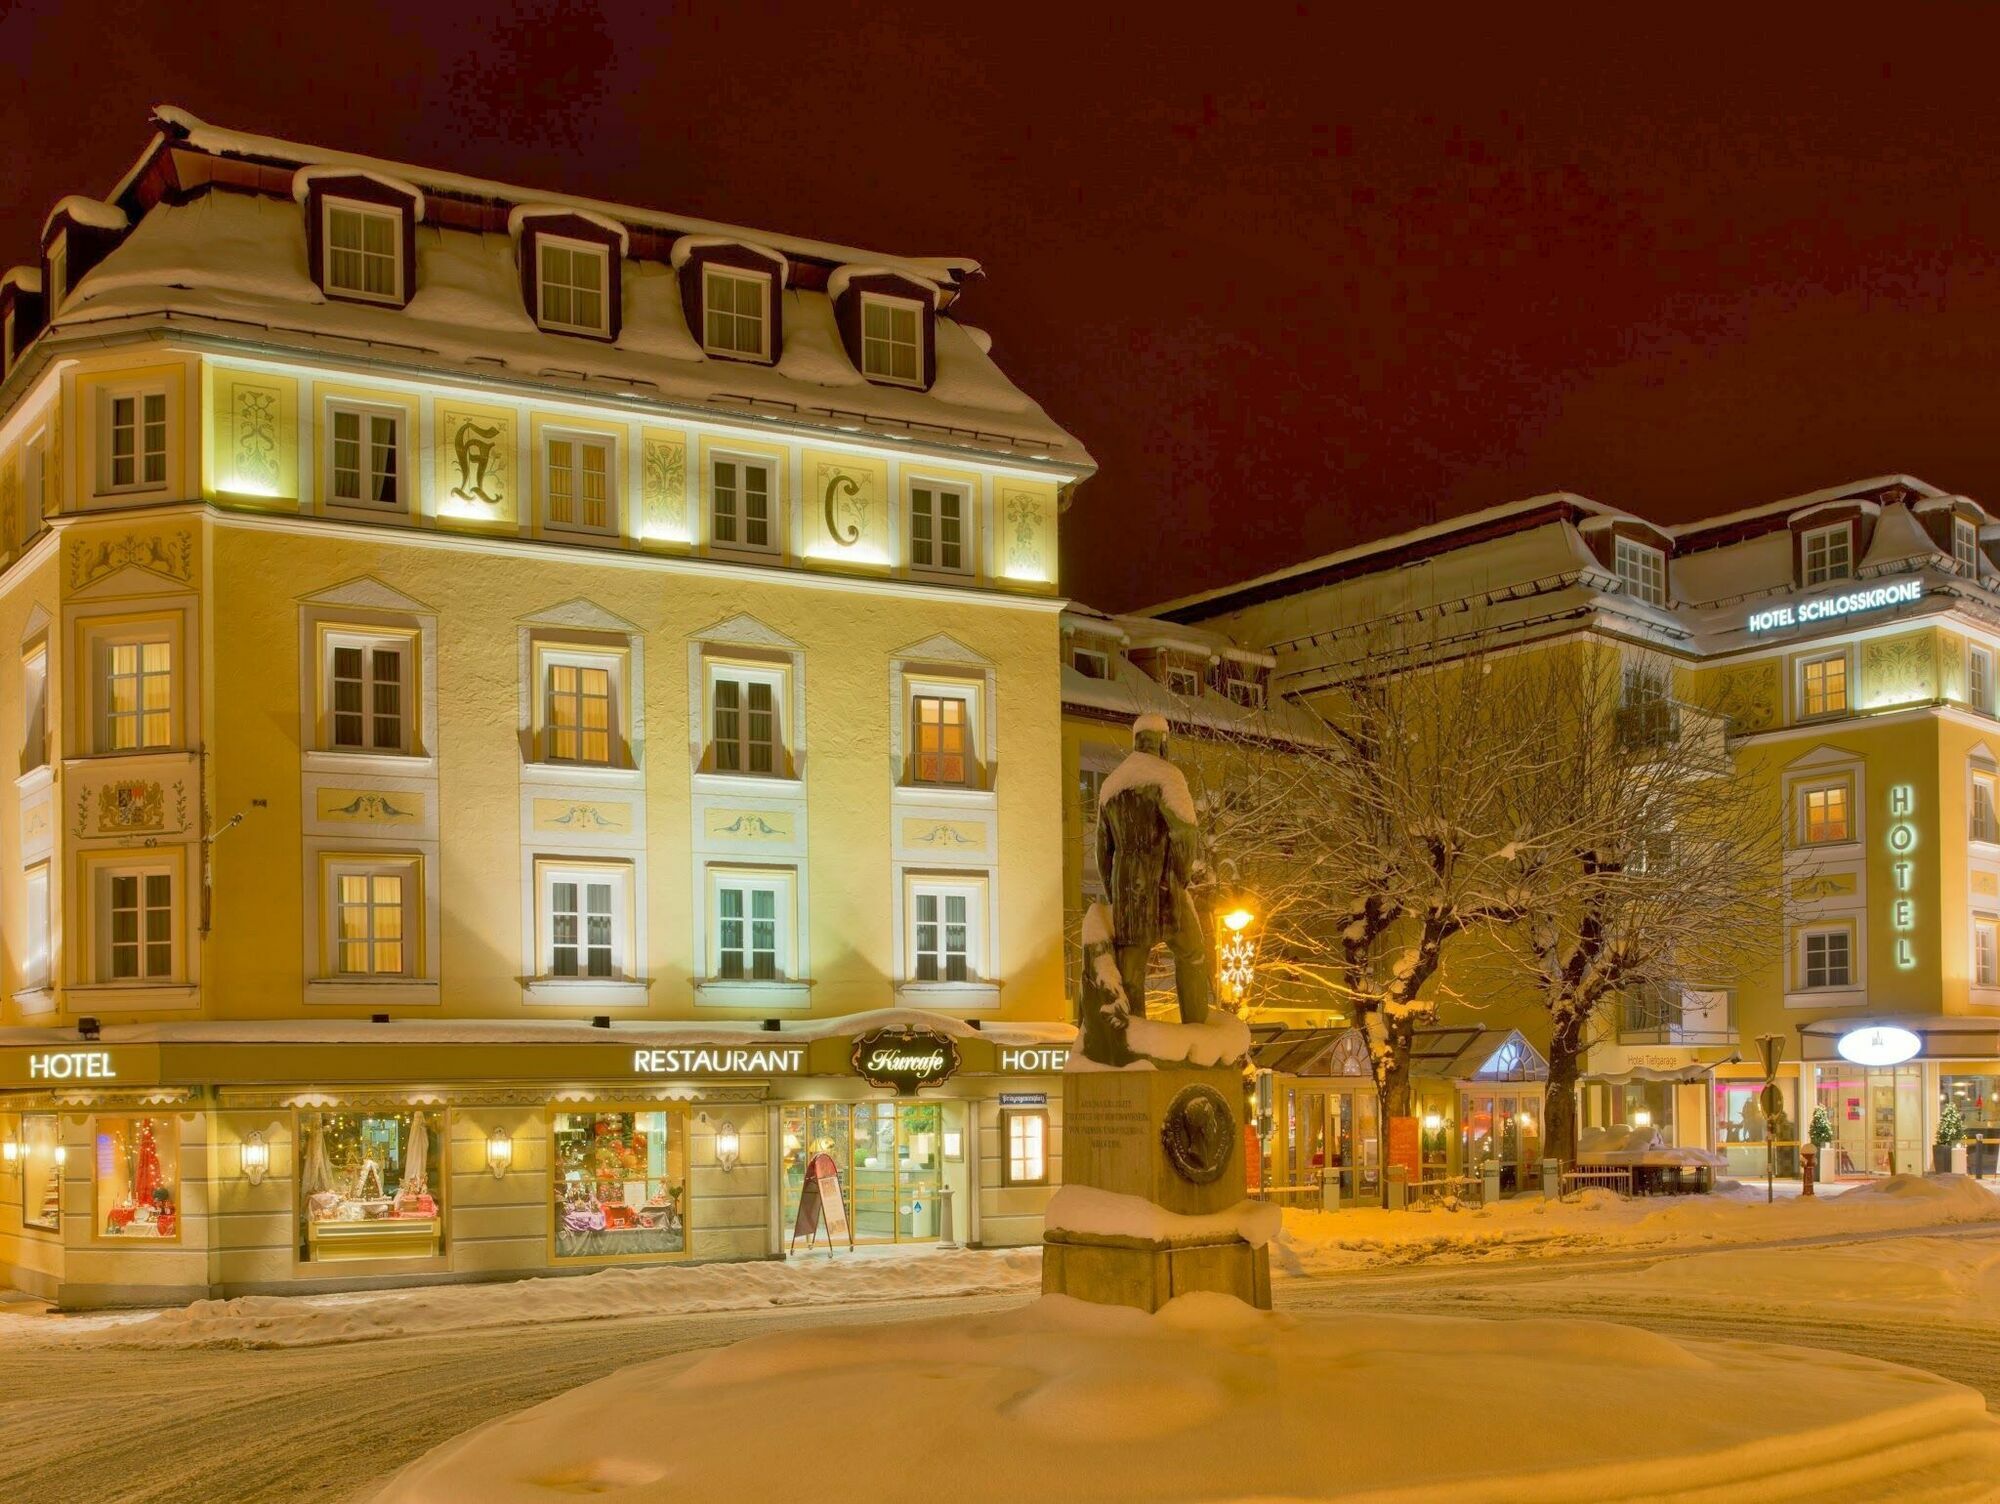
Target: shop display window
(369, 1184)
(42, 1158)
(621, 1183)
(1978, 1101)
(1740, 1122)
(135, 1167)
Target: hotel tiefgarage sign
(1828, 607)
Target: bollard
(945, 1239)
(1809, 1163)
(1329, 1190)
(1397, 1182)
(1552, 1183)
(1489, 1182)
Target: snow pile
(1144, 770)
(1220, 1039)
(1094, 1213)
(315, 1320)
(1210, 1400)
(1317, 1243)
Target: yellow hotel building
(1849, 638)
(537, 738)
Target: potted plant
(1820, 1131)
(1948, 1153)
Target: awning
(1473, 1054)
(1944, 1036)
(1311, 1052)
(1617, 1065)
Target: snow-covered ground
(1064, 1399)
(1324, 1243)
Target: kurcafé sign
(905, 1058)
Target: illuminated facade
(515, 693)
(1849, 638)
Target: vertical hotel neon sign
(1902, 841)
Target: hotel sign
(72, 1065)
(715, 1060)
(1828, 607)
(1038, 1059)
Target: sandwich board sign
(820, 1206)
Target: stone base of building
(1147, 1274)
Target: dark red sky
(1296, 277)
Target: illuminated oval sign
(1878, 1044)
(905, 1059)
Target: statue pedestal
(1172, 1137)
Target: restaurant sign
(720, 1060)
(905, 1058)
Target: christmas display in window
(365, 1185)
(620, 1183)
(137, 1165)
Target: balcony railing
(1677, 1015)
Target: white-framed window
(35, 708)
(751, 917)
(585, 920)
(1247, 692)
(1985, 952)
(892, 339)
(6, 342)
(1026, 1135)
(573, 281)
(132, 670)
(1979, 679)
(133, 442)
(366, 463)
(1965, 546)
(364, 249)
(373, 916)
(941, 743)
(735, 307)
(1091, 663)
(1643, 570)
(368, 691)
(58, 272)
(580, 707)
(1826, 815)
(1985, 821)
(742, 511)
(1823, 685)
(944, 929)
(1827, 959)
(580, 490)
(1828, 553)
(938, 516)
(36, 953)
(1185, 682)
(138, 930)
(746, 729)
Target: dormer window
(1828, 554)
(1965, 546)
(363, 250)
(1091, 663)
(572, 285)
(58, 272)
(892, 339)
(1643, 571)
(735, 312)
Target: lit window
(1829, 554)
(367, 697)
(744, 729)
(1826, 814)
(367, 457)
(733, 311)
(621, 1182)
(136, 1173)
(135, 441)
(135, 695)
(578, 720)
(943, 738)
(891, 340)
(1090, 663)
(1985, 952)
(364, 253)
(1027, 1147)
(584, 923)
(369, 1184)
(136, 924)
(937, 527)
(1965, 546)
(35, 961)
(941, 933)
(749, 935)
(1643, 569)
(368, 924)
(41, 1171)
(740, 504)
(579, 474)
(58, 272)
(1979, 680)
(35, 709)
(1823, 685)
(574, 276)
(1826, 953)
(1184, 682)
(1985, 827)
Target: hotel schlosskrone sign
(1832, 607)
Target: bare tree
(1643, 861)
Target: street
(83, 1419)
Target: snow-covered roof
(93, 212)
(1899, 540)
(26, 278)
(1791, 506)
(235, 264)
(305, 177)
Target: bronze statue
(1148, 855)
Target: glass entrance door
(1878, 1118)
(890, 1157)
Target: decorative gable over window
(572, 268)
(731, 292)
(361, 233)
(888, 322)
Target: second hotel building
(536, 720)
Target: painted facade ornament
(847, 502)
(751, 826)
(663, 487)
(589, 817)
(1748, 697)
(256, 457)
(170, 555)
(10, 507)
(948, 834)
(477, 458)
(371, 807)
(1897, 670)
(136, 804)
(1021, 513)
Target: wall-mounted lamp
(62, 1154)
(10, 1150)
(256, 1157)
(728, 1145)
(1642, 1117)
(1433, 1121)
(499, 1152)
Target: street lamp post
(1236, 957)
